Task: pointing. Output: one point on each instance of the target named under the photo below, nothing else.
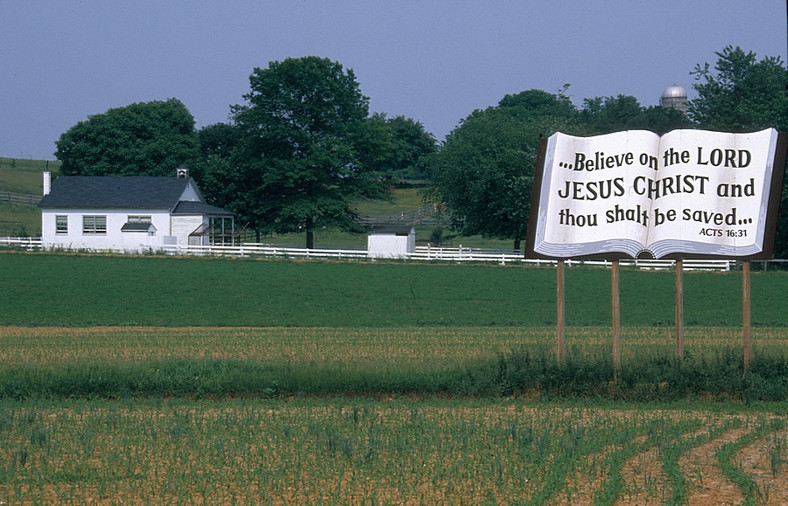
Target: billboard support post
(680, 309)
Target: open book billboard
(685, 194)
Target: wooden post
(680, 309)
(616, 317)
(746, 328)
(561, 314)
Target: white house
(394, 241)
(130, 213)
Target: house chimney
(182, 172)
(47, 182)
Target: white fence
(268, 250)
(422, 253)
(502, 257)
(25, 243)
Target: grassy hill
(22, 176)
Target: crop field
(390, 451)
(165, 380)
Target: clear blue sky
(433, 61)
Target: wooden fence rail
(426, 215)
(20, 198)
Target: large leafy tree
(306, 147)
(222, 185)
(743, 94)
(409, 145)
(141, 139)
(484, 170)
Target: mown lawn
(52, 289)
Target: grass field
(45, 289)
(402, 199)
(155, 379)
(18, 220)
(22, 176)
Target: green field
(46, 289)
(155, 379)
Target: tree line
(303, 146)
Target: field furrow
(766, 462)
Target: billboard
(636, 194)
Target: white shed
(394, 241)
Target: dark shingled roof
(115, 192)
(136, 227)
(392, 229)
(189, 207)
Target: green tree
(141, 139)
(602, 115)
(219, 139)
(484, 170)
(664, 119)
(221, 185)
(409, 145)
(542, 103)
(306, 147)
(745, 95)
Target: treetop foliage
(141, 139)
(407, 146)
(541, 103)
(744, 94)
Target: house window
(138, 219)
(94, 224)
(61, 224)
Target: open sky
(434, 61)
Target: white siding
(391, 245)
(184, 225)
(114, 239)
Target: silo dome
(674, 91)
(675, 97)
